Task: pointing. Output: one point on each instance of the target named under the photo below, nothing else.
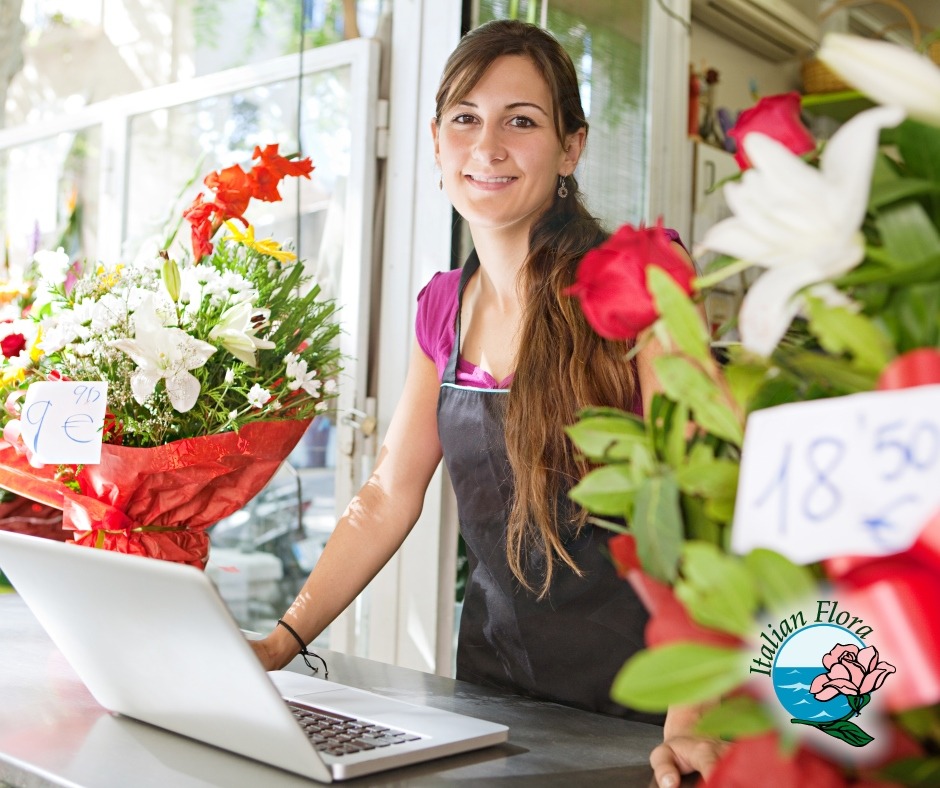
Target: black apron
(565, 648)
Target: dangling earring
(440, 183)
(562, 189)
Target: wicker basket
(819, 78)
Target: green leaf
(907, 233)
(827, 371)
(606, 491)
(686, 383)
(657, 678)
(720, 509)
(735, 718)
(919, 145)
(849, 732)
(657, 526)
(781, 584)
(716, 589)
(901, 189)
(914, 772)
(744, 380)
(608, 438)
(841, 331)
(895, 274)
(683, 320)
(713, 479)
(698, 525)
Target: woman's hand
(276, 649)
(683, 751)
(263, 652)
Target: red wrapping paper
(158, 502)
(24, 516)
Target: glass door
(132, 164)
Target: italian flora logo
(823, 672)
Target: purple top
(435, 328)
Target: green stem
(701, 282)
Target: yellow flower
(36, 352)
(14, 374)
(268, 246)
(107, 280)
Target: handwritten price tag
(63, 422)
(855, 475)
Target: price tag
(855, 475)
(62, 422)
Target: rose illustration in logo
(854, 673)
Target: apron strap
(469, 268)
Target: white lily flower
(800, 222)
(236, 332)
(886, 73)
(163, 354)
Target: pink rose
(851, 672)
(611, 280)
(777, 117)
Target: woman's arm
(376, 521)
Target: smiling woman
(501, 162)
(504, 361)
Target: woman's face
(499, 155)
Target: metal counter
(52, 733)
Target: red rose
(12, 344)
(746, 760)
(611, 280)
(777, 117)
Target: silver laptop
(154, 641)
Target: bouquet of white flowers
(214, 367)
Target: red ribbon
(899, 595)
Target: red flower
(12, 344)
(611, 280)
(267, 174)
(669, 621)
(920, 367)
(199, 215)
(233, 190)
(777, 117)
(747, 759)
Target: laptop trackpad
(291, 684)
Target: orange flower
(233, 190)
(271, 169)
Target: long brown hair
(562, 365)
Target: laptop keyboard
(334, 734)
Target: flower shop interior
(112, 111)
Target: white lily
(163, 354)
(800, 222)
(236, 329)
(886, 73)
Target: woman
(544, 613)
